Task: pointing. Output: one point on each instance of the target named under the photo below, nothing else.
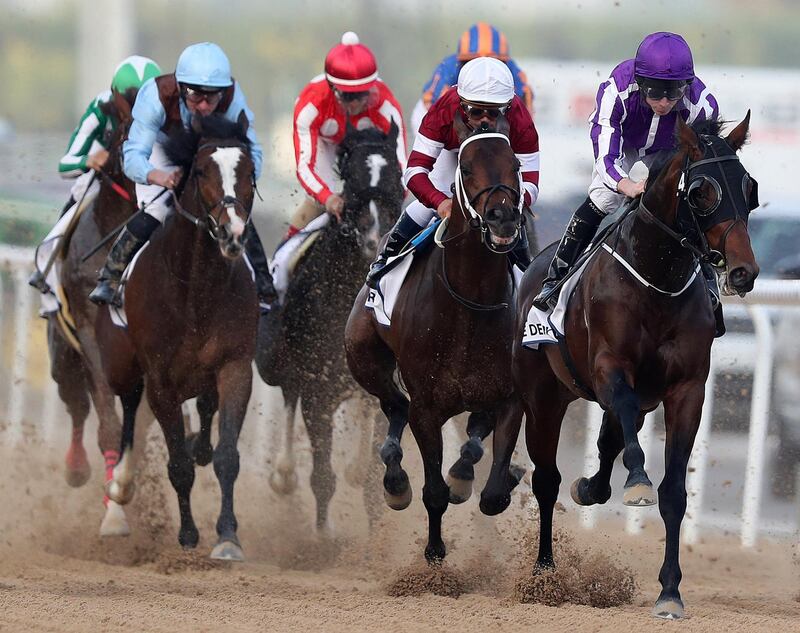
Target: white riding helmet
(486, 80)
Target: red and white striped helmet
(350, 66)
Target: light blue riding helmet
(204, 64)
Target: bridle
(209, 222)
(476, 220)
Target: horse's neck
(114, 209)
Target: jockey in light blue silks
(201, 84)
(637, 108)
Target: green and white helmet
(132, 72)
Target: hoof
(639, 495)
(492, 506)
(460, 489)
(202, 455)
(114, 522)
(670, 609)
(283, 483)
(435, 554)
(227, 550)
(119, 493)
(574, 491)
(516, 472)
(398, 502)
(77, 470)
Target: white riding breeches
(81, 185)
(155, 206)
(443, 175)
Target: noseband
(475, 219)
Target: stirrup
(547, 299)
(105, 294)
(375, 273)
(37, 281)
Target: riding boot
(577, 237)
(404, 229)
(267, 295)
(133, 236)
(520, 255)
(716, 303)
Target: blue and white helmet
(204, 64)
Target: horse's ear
(394, 131)
(739, 135)
(197, 126)
(460, 127)
(243, 121)
(502, 126)
(688, 139)
(122, 107)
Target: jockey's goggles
(658, 90)
(195, 95)
(348, 97)
(480, 111)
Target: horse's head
(219, 178)
(373, 189)
(488, 184)
(118, 108)
(717, 194)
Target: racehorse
(74, 355)
(306, 359)
(638, 332)
(192, 314)
(451, 331)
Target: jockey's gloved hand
(335, 205)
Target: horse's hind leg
(319, 424)
(610, 442)
(68, 371)
(283, 480)
(234, 385)
(682, 410)
(625, 405)
(120, 487)
(462, 472)
(198, 444)
(503, 478)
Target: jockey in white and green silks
(87, 149)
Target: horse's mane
(182, 144)
(708, 127)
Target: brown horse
(76, 365)
(638, 331)
(192, 314)
(451, 331)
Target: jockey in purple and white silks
(637, 108)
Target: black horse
(306, 356)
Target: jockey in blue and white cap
(201, 84)
(637, 108)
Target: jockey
(479, 40)
(637, 108)
(348, 91)
(87, 149)
(201, 84)
(484, 92)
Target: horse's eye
(199, 173)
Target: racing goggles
(196, 94)
(658, 90)
(349, 97)
(479, 111)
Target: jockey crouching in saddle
(87, 151)
(479, 40)
(634, 119)
(349, 91)
(201, 84)
(485, 91)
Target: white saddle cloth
(284, 261)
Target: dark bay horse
(639, 330)
(309, 362)
(76, 365)
(192, 316)
(451, 331)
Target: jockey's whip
(112, 234)
(67, 231)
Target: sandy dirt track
(57, 575)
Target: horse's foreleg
(682, 410)
(462, 472)
(283, 479)
(503, 479)
(427, 429)
(234, 385)
(617, 391)
(319, 425)
(199, 444)
(180, 466)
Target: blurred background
(55, 56)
